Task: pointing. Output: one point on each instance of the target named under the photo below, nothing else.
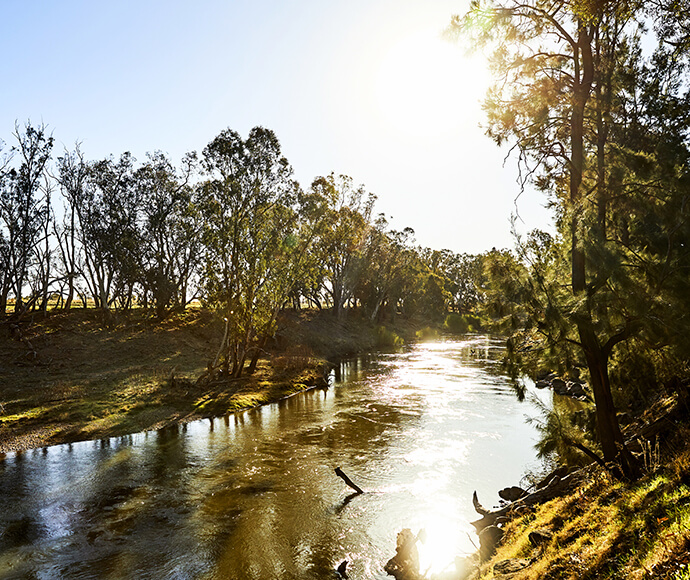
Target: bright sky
(365, 88)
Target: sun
(428, 87)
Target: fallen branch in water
(347, 480)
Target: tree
(464, 274)
(432, 295)
(5, 254)
(169, 233)
(72, 173)
(107, 206)
(23, 212)
(247, 203)
(342, 242)
(559, 65)
(386, 256)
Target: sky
(365, 88)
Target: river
(254, 495)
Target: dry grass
(77, 376)
(610, 530)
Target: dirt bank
(69, 376)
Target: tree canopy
(601, 128)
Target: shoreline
(82, 381)
(88, 383)
(38, 439)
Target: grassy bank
(608, 529)
(75, 376)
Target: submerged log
(405, 564)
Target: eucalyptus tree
(5, 255)
(170, 236)
(43, 275)
(5, 276)
(71, 176)
(433, 296)
(107, 206)
(387, 258)
(464, 273)
(342, 243)
(24, 207)
(313, 213)
(248, 205)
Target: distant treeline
(230, 228)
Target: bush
(456, 324)
(474, 322)
(294, 360)
(459, 324)
(387, 338)
(427, 333)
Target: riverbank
(71, 376)
(602, 528)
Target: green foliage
(24, 211)
(456, 324)
(460, 324)
(604, 133)
(171, 232)
(385, 283)
(563, 428)
(341, 243)
(248, 205)
(427, 333)
(386, 338)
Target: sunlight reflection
(445, 540)
(254, 495)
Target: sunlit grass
(93, 375)
(607, 530)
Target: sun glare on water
(440, 549)
(428, 87)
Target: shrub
(427, 333)
(456, 324)
(460, 324)
(387, 338)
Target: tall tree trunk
(238, 366)
(72, 262)
(70, 291)
(597, 363)
(608, 429)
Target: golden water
(254, 495)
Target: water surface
(254, 495)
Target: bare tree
(23, 212)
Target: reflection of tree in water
(563, 426)
(253, 495)
(292, 527)
(107, 493)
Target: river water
(254, 495)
